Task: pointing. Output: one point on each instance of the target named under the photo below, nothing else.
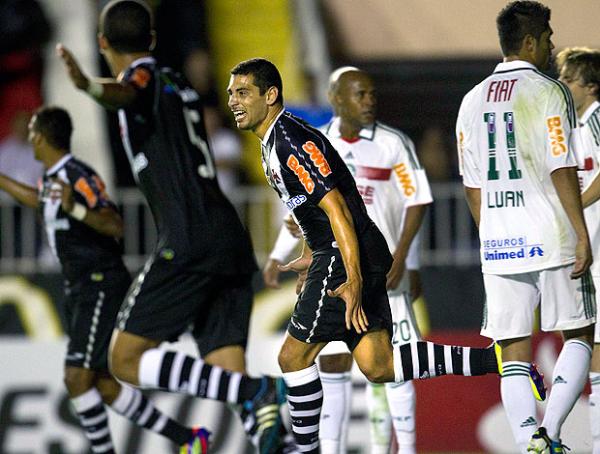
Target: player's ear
(272, 95)
(529, 44)
(102, 42)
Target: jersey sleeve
(561, 134)
(142, 79)
(468, 158)
(91, 190)
(307, 164)
(409, 176)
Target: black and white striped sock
(94, 420)
(426, 360)
(133, 405)
(178, 372)
(305, 398)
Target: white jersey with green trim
(388, 175)
(513, 130)
(588, 159)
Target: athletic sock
(380, 420)
(94, 420)
(519, 402)
(178, 372)
(334, 414)
(305, 398)
(426, 359)
(568, 379)
(595, 410)
(132, 404)
(401, 400)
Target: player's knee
(109, 389)
(291, 361)
(77, 381)
(341, 362)
(375, 372)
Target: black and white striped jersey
(302, 166)
(165, 139)
(79, 248)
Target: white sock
(380, 420)
(518, 401)
(94, 420)
(401, 401)
(595, 411)
(568, 379)
(334, 414)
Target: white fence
(448, 234)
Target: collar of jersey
(512, 65)
(265, 140)
(135, 63)
(59, 165)
(334, 130)
(589, 111)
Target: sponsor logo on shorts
(297, 325)
(295, 201)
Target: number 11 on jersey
(511, 146)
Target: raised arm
(22, 193)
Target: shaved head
(352, 96)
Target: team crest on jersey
(305, 180)
(405, 179)
(558, 144)
(316, 156)
(140, 77)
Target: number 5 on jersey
(192, 119)
(511, 147)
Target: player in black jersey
(345, 259)
(200, 272)
(83, 228)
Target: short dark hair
(266, 75)
(54, 123)
(127, 25)
(519, 19)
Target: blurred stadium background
(424, 55)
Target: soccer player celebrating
(515, 141)
(579, 69)
(200, 272)
(82, 226)
(345, 257)
(396, 192)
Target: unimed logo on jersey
(301, 173)
(405, 179)
(556, 135)
(317, 157)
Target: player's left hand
(395, 274)
(66, 194)
(583, 259)
(351, 292)
(300, 266)
(79, 79)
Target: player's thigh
(374, 356)
(567, 303)
(404, 322)
(225, 317)
(93, 307)
(164, 300)
(510, 305)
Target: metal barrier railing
(448, 234)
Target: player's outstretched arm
(22, 193)
(104, 220)
(340, 218)
(108, 92)
(567, 187)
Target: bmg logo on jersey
(317, 157)
(301, 173)
(295, 201)
(558, 144)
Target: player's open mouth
(238, 115)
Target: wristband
(78, 212)
(95, 89)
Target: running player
(346, 258)
(515, 141)
(200, 272)
(83, 227)
(396, 192)
(579, 70)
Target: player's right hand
(292, 227)
(79, 79)
(583, 258)
(271, 273)
(351, 292)
(300, 266)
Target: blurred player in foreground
(83, 228)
